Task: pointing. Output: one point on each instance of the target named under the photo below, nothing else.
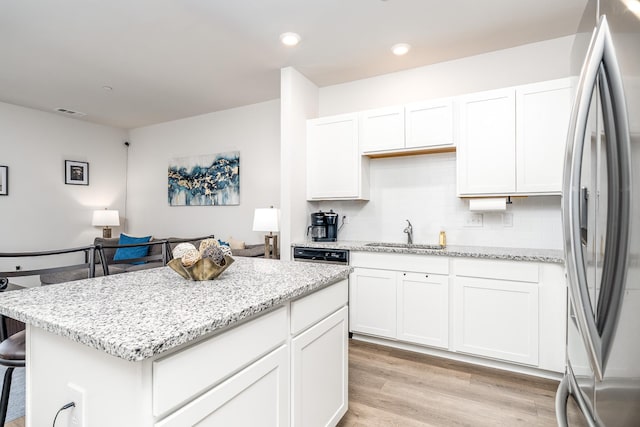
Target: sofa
(158, 254)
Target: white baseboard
(475, 360)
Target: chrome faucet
(409, 230)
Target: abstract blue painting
(210, 180)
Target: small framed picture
(76, 173)
(4, 180)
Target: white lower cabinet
(263, 387)
(400, 303)
(319, 360)
(497, 319)
(423, 309)
(512, 311)
(284, 368)
(373, 302)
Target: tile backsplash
(423, 190)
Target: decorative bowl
(203, 269)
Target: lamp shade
(105, 218)
(266, 219)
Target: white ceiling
(169, 59)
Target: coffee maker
(324, 226)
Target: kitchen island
(264, 344)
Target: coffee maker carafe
(324, 226)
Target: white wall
(422, 188)
(41, 212)
(253, 130)
(508, 67)
(299, 102)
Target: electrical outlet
(507, 220)
(345, 219)
(77, 413)
(473, 220)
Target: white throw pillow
(235, 244)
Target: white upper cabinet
(382, 129)
(429, 124)
(542, 120)
(512, 140)
(407, 129)
(486, 150)
(335, 168)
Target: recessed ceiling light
(633, 6)
(289, 39)
(400, 49)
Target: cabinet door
(429, 123)
(320, 373)
(497, 318)
(257, 395)
(542, 117)
(333, 158)
(372, 302)
(382, 129)
(486, 150)
(423, 309)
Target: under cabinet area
(503, 310)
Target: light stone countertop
(140, 314)
(488, 252)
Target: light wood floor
(15, 423)
(390, 387)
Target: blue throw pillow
(132, 252)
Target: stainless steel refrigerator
(601, 221)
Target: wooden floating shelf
(435, 150)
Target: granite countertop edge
(120, 345)
(488, 252)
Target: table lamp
(106, 218)
(268, 219)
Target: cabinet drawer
(401, 262)
(180, 376)
(518, 271)
(315, 307)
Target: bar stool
(12, 347)
(12, 355)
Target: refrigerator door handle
(598, 333)
(618, 149)
(571, 201)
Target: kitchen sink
(403, 245)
